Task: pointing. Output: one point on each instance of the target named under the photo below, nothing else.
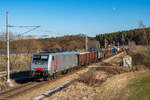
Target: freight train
(44, 65)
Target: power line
(23, 26)
(30, 30)
(34, 28)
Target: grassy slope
(128, 86)
(140, 89)
(137, 89)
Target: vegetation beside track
(136, 88)
(141, 56)
(140, 89)
(17, 62)
(127, 86)
(135, 85)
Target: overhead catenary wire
(22, 26)
(34, 28)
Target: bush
(138, 59)
(88, 78)
(142, 58)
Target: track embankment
(33, 90)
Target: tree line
(72, 42)
(139, 36)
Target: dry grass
(140, 48)
(80, 90)
(98, 75)
(111, 89)
(85, 89)
(93, 77)
(3, 84)
(17, 61)
(75, 91)
(88, 78)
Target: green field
(140, 89)
(137, 89)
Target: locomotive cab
(39, 64)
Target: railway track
(18, 91)
(12, 93)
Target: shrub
(88, 78)
(138, 59)
(141, 58)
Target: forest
(139, 36)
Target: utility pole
(123, 40)
(105, 43)
(118, 44)
(114, 43)
(8, 60)
(145, 34)
(7, 43)
(86, 43)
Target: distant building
(93, 44)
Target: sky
(69, 17)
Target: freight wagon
(99, 51)
(83, 58)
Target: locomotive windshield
(40, 59)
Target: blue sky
(65, 17)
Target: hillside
(139, 36)
(64, 43)
(72, 42)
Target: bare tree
(123, 40)
(131, 45)
(141, 24)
